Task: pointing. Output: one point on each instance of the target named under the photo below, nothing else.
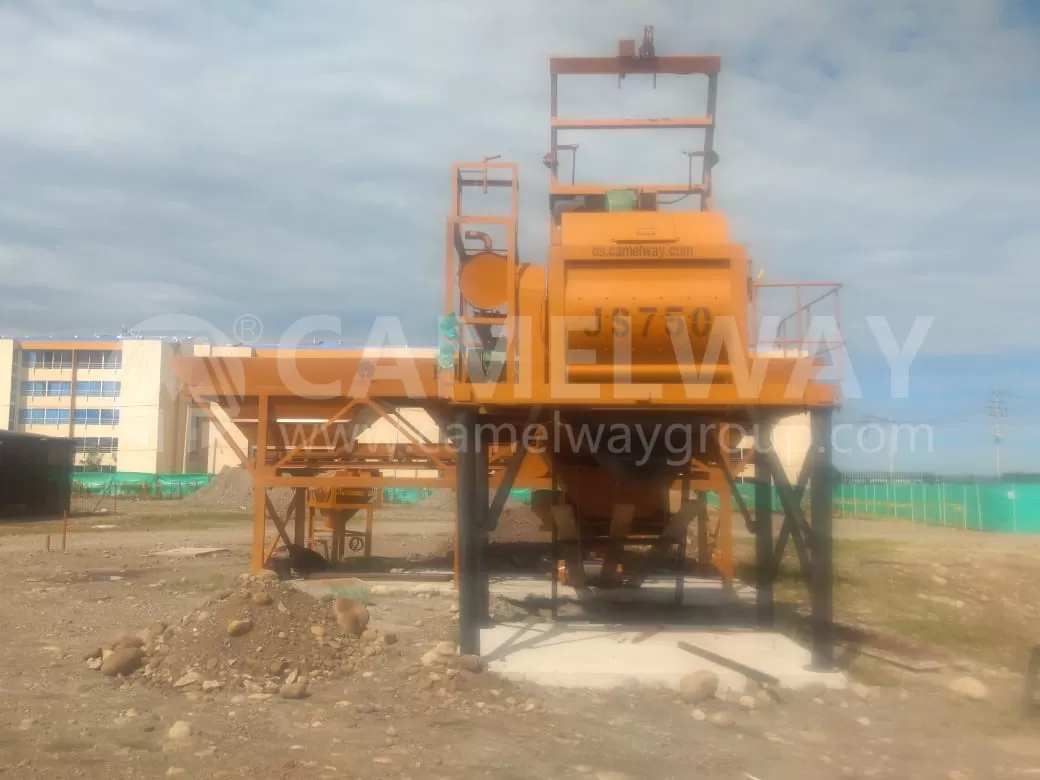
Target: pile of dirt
(233, 488)
(441, 498)
(264, 637)
(519, 523)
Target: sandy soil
(383, 714)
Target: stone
(92, 653)
(748, 702)
(861, 690)
(173, 771)
(212, 685)
(445, 648)
(470, 663)
(370, 635)
(699, 715)
(970, 688)
(380, 590)
(296, 690)
(180, 730)
(277, 666)
(863, 721)
(721, 719)
(124, 661)
(351, 616)
(263, 598)
(94, 663)
(223, 594)
(389, 638)
(698, 686)
(239, 627)
(191, 678)
(202, 617)
(432, 658)
(127, 640)
(318, 631)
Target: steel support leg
(481, 499)
(764, 568)
(822, 541)
(468, 552)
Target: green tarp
(139, 484)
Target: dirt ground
(373, 709)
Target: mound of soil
(233, 488)
(255, 639)
(441, 498)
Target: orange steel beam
(375, 405)
(338, 417)
(707, 64)
(681, 123)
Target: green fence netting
(400, 495)
(993, 507)
(138, 484)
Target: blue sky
(288, 159)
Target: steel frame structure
(330, 471)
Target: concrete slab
(702, 592)
(188, 552)
(603, 656)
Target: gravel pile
(233, 488)
(262, 638)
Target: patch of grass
(891, 587)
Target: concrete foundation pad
(602, 656)
(189, 552)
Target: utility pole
(998, 410)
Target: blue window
(56, 416)
(31, 416)
(88, 417)
(96, 389)
(95, 444)
(31, 389)
(47, 358)
(111, 389)
(99, 358)
(110, 417)
(59, 389)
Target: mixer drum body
(640, 295)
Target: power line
(998, 410)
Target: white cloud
(289, 159)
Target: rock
(239, 627)
(277, 666)
(265, 575)
(863, 721)
(202, 617)
(191, 678)
(180, 730)
(721, 719)
(432, 658)
(296, 690)
(445, 648)
(212, 685)
(127, 640)
(699, 715)
(263, 598)
(351, 616)
(390, 638)
(282, 608)
(970, 688)
(861, 690)
(94, 663)
(748, 702)
(90, 655)
(318, 631)
(223, 594)
(470, 663)
(380, 590)
(173, 771)
(369, 635)
(292, 677)
(698, 686)
(125, 660)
